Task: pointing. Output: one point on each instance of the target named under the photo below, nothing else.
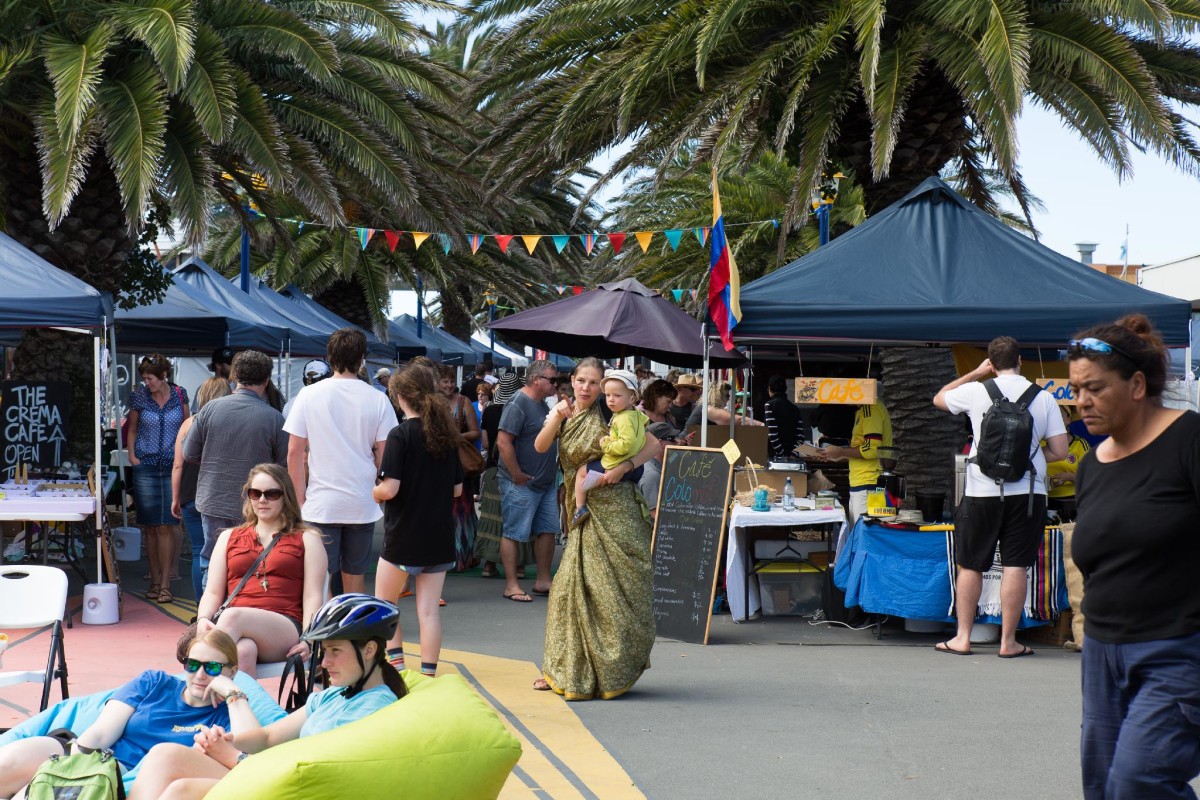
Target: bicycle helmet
(354, 617)
(316, 370)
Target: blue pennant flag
(678, 294)
(446, 242)
(560, 241)
(673, 236)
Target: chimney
(1085, 251)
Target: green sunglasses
(211, 668)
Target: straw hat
(509, 385)
(688, 382)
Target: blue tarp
(37, 294)
(398, 348)
(453, 351)
(933, 268)
(302, 340)
(186, 322)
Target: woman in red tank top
(284, 589)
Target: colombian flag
(724, 286)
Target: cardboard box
(743, 481)
(1057, 633)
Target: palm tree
(110, 110)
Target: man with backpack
(1005, 498)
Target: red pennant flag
(393, 239)
(576, 290)
(503, 239)
(616, 240)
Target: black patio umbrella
(615, 320)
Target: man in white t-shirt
(342, 424)
(991, 513)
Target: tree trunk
(346, 299)
(92, 243)
(927, 437)
(456, 298)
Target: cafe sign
(1059, 389)
(837, 391)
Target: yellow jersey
(872, 430)
(1075, 453)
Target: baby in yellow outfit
(626, 437)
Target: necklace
(261, 572)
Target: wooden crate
(1057, 633)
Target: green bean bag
(441, 741)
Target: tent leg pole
(704, 392)
(112, 381)
(96, 480)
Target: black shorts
(981, 522)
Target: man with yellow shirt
(872, 430)
(1060, 475)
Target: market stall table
(747, 526)
(906, 573)
(47, 509)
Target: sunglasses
(211, 668)
(1093, 345)
(270, 494)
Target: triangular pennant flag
(393, 239)
(701, 235)
(531, 242)
(560, 288)
(475, 239)
(446, 242)
(643, 238)
(576, 290)
(775, 222)
(589, 241)
(502, 239)
(673, 237)
(560, 241)
(678, 295)
(419, 239)
(616, 240)
(364, 236)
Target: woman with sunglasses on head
(352, 630)
(284, 588)
(152, 708)
(157, 409)
(1138, 499)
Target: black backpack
(1005, 448)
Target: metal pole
(97, 480)
(491, 330)
(823, 222)
(246, 252)
(704, 393)
(420, 303)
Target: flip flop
(518, 597)
(1025, 651)
(541, 685)
(944, 647)
(542, 592)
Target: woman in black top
(419, 479)
(1135, 542)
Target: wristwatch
(242, 757)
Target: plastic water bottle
(789, 496)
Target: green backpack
(82, 776)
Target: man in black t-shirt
(470, 387)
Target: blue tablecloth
(902, 574)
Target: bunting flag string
(419, 239)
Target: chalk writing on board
(33, 421)
(689, 524)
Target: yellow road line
(560, 757)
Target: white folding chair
(34, 597)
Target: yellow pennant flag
(419, 239)
(643, 238)
(530, 242)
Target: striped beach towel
(1043, 592)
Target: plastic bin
(790, 589)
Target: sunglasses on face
(211, 668)
(1093, 345)
(270, 494)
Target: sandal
(541, 685)
(152, 594)
(165, 596)
(489, 572)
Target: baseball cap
(222, 355)
(383, 372)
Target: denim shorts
(528, 511)
(431, 570)
(347, 546)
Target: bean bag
(76, 713)
(441, 741)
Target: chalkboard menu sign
(33, 424)
(693, 504)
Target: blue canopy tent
(299, 338)
(453, 351)
(934, 269)
(398, 348)
(39, 295)
(487, 354)
(187, 322)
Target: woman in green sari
(600, 617)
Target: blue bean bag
(441, 741)
(77, 713)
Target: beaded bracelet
(235, 695)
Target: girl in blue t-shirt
(353, 629)
(152, 708)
